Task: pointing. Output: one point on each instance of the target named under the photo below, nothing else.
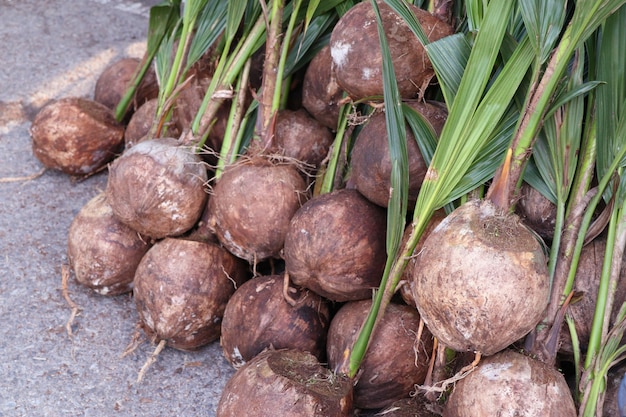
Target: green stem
(236, 124)
(210, 104)
(331, 167)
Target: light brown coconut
(75, 135)
(182, 288)
(102, 251)
(371, 160)
(480, 281)
(335, 246)
(251, 205)
(285, 382)
(395, 361)
(357, 60)
(258, 317)
(157, 187)
(116, 78)
(140, 123)
(301, 137)
(321, 95)
(511, 384)
(404, 286)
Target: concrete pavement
(53, 49)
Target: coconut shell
(76, 136)
(586, 283)
(357, 60)
(301, 137)
(335, 246)
(182, 288)
(140, 123)
(511, 384)
(480, 281)
(251, 206)
(389, 371)
(102, 251)
(320, 92)
(405, 281)
(258, 317)
(186, 107)
(416, 406)
(371, 160)
(285, 382)
(157, 188)
(536, 211)
(113, 82)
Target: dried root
(65, 275)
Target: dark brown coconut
(76, 136)
(355, 49)
(113, 82)
(182, 288)
(480, 281)
(335, 246)
(186, 107)
(102, 251)
(258, 317)
(511, 384)
(371, 161)
(395, 360)
(251, 206)
(610, 407)
(536, 211)
(285, 383)
(586, 283)
(157, 187)
(320, 92)
(301, 137)
(416, 406)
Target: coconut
(480, 281)
(157, 187)
(116, 78)
(258, 317)
(536, 211)
(404, 286)
(251, 205)
(335, 246)
(182, 288)
(416, 406)
(301, 137)
(586, 283)
(76, 136)
(285, 382)
(371, 160)
(511, 384)
(395, 360)
(357, 60)
(102, 251)
(321, 95)
(186, 107)
(140, 123)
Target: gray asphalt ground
(52, 49)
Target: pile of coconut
(251, 254)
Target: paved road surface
(52, 49)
